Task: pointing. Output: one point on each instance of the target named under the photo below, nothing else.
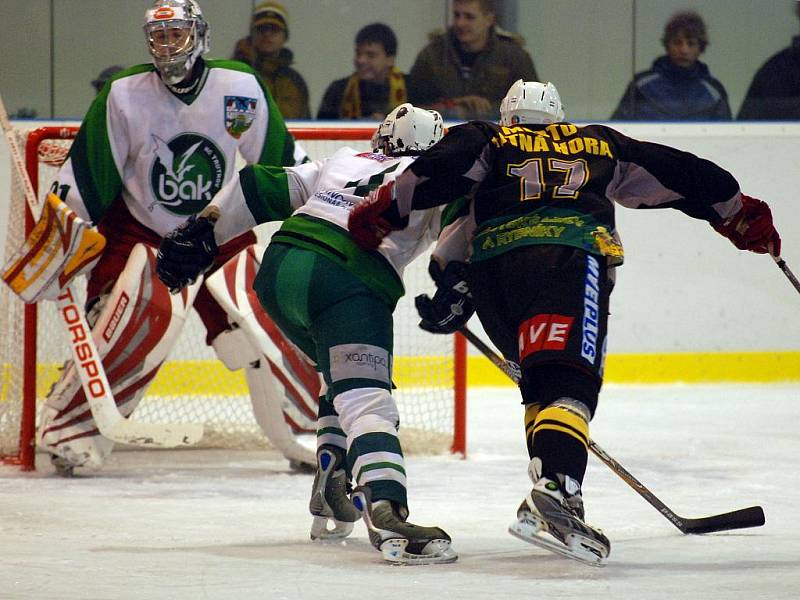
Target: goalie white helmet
(408, 130)
(177, 35)
(531, 102)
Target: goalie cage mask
(177, 35)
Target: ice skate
(552, 518)
(63, 467)
(329, 497)
(401, 542)
(301, 467)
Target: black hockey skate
(551, 518)
(400, 542)
(329, 497)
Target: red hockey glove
(375, 217)
(751, 228)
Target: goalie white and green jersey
(319, 196)
(167, 155)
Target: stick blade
(744, 518)
(155, 435)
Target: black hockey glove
(451, 306)
(186, 252)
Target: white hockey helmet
(408, 130)
(531, 102)
(177, 35)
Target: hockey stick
(786, 271)
(85, 356)
(737, 519)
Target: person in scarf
(264, 50)
(375, 87)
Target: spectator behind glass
(678, 87)
(376, 87)
(264, 51)
(465, 71)
(775, 90)
(104, 76)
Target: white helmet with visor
(177, 35)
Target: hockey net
(193, 386)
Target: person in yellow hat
(264, 50)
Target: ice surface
(191, 525)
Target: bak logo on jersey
(187, 172)
(240, 112)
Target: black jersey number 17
(536, 178)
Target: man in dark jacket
(678, 87)
(465, 71)
(775, 90)
(375, 87)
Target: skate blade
(339, 531)
(435, 551)
(63, 467)
(585, 550)
(299, 466)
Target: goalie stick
(737, 519)
(88, 363)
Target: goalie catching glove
(375, 217)
(188, 251)
(60, 247)
(451, 305)
(751, 228)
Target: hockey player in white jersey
(155, 146)
(335, 301)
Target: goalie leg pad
(268, 409)
(234, 349)
(296, 375)
(137, 326)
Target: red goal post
(431, 389)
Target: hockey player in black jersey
(539, 194)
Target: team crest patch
(240, 112)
